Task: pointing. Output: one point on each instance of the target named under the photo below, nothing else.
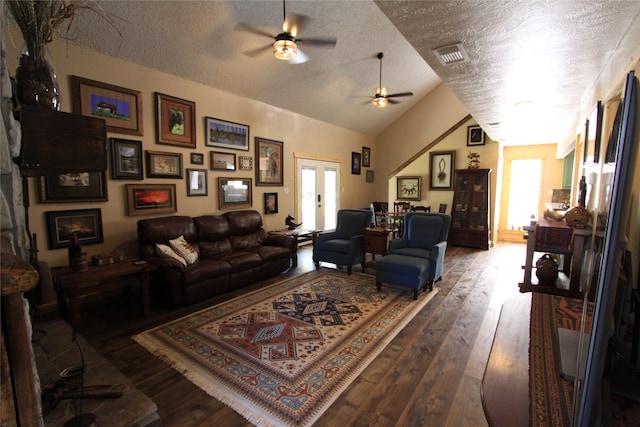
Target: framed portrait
(197, 159)
(151, 199)
(441, 167)
(245, 163)
(356, 163)
(73, 187)
(126, 159)
(366, 157)
(225, 134)
(197, 182)
(86, 223)
(270, 203)
(475, 136)
(408, 188)
(369, 177)
(269, 168)
(121, 108)
(593, 132)
(234, 193)
(163, 165)
(223, 161)
(176, 121)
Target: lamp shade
(285, 49)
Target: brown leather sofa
(233, 250)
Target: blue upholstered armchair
(425, 237)
(345, 245)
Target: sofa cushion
(206, 270)
(272, 253)
(184, 249)
(336, 245)
(165, 251)
(241, 260)
(414, 252)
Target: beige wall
(300, 135)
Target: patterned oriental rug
(283, 354)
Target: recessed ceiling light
(451, 54)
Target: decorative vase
(546, 269)
(36, 80)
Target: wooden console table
(376, 240)
(72, 286)
(573, 247)
(300, 236)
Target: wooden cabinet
(376, 240)
(470, 210)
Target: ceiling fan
(286, 44)
(381, 98)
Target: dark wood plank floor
(429, 375)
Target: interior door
(318, 183)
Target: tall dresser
(470, 210)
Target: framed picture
(441, 170)
(366, 157)
(197, 182)
(225, 134)
(121, 108)
(408, 188)
(269, 168)
(246, 163)
(86, 223)
(369, 176)
(475, 135)
(197, 159)
(356, 163)
(593, 138)
(163, 165)
(234, 193)
(270, 203)
(73, 187)
(151, 199)
(126, 159)
(176, 121)
(223, 161)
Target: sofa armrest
(286, 241)
(436, 262)
(396, 244)
(165, 264)
(326, 235)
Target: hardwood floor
(429, 375)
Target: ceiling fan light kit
(380, 99)
(285, 49)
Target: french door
(317, 193)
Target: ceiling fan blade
(392, 101)
(397, 95)
(319, 41)
(294, 23)
(255, 52)
(248, 29)
(299, 59)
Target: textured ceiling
(546, 55)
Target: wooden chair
(420, 208)
(398, 221)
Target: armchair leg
(349, 267)
(415, 294)
(317, 265)
(379, 286)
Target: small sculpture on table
(289, 222)
(474, 160)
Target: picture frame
(593, 135)
(197, 159)
(73, 187)
(269, 162)
(126, 159)
(245, 163)
(475, 136)
(176, 121)
(366, 157)
(86, 223)
(356, 163)
(270, 203)
(121, 108)
(197, 184)
(223, 161)
(151, 199)
(369, 177)
(234, 193)
(408, 188)
(225, 134)
(161, 164)
(441, 167)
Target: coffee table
(300, 236)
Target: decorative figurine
(474, 160)
(289, 222)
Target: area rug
(281, 355)
(551, 395)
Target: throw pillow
(185, 250)
(167, 252)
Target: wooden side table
(376, 240)
(72, 286)
(300, 236)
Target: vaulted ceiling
(547, 57)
